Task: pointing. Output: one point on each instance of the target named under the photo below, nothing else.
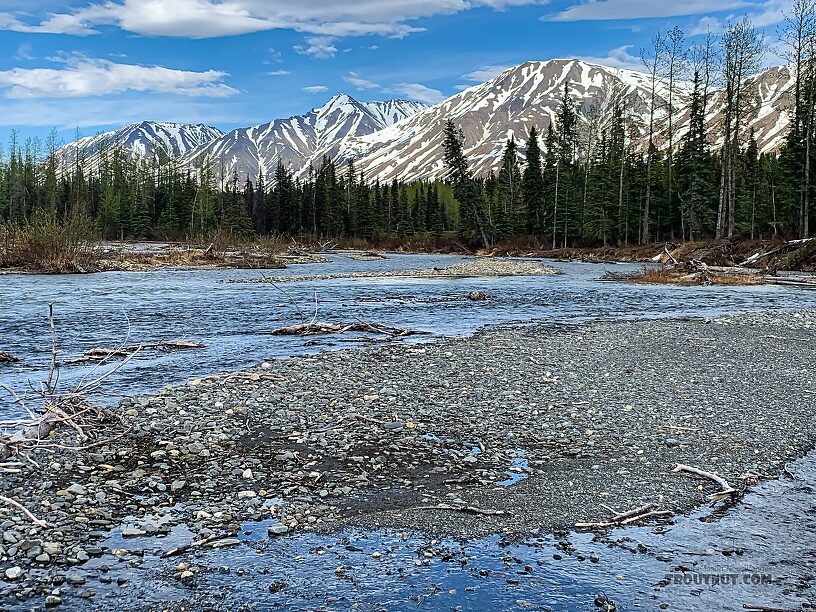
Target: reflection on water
(106, 309)
(759, 553)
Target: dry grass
(670, 276)
(48, 245)
(195, 258)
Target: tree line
(595, 176)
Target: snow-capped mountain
(530, 95)
(295, 141)
(146, 139)
(405, 140)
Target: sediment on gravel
(543, 423)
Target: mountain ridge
(404, 140)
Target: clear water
(764, 547)
(106, 310)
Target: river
(110, 309)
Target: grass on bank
(49, 245)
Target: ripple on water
(102, 310)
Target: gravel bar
(484, 267)
(543, 423)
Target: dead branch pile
(50, 408)
(316, 329)
(101, 354)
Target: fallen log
(101, 354)
(636, 512)
(726, 492)
(807, 282)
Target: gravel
(484, 267)
(573, 416)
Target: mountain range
(405, 140)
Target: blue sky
(229, 63)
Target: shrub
(50, 245)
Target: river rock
(277, 529)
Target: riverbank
(91, 257)
(537, 428)
(766, 255)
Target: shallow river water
(760, 553)
(110, 309)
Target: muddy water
(761, 552)
(106, 310)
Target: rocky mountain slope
(296, 141)
(530, 95)
(146, 139)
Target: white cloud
(278, 73)
(617, 58)
(593, 10)
(485, 73)
(53, 24)
(67, 114)
(210, 18)
(82, 76)
(417, 91)
(772, 13)
(319, 47)
(24, 53)
(359, 82)
(706, 25)
(316, 89)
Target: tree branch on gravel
(466, 510)
(72, 408)
(24, 510)
(727, 492)
(627, 518)
(316, 329)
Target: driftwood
(466, 510)
(24, 510)
(627, 518)
(726, 492)
(762, 254)
(804, 281)
(7, 358)
(101, 354)
(316, 329)
(766, 609)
